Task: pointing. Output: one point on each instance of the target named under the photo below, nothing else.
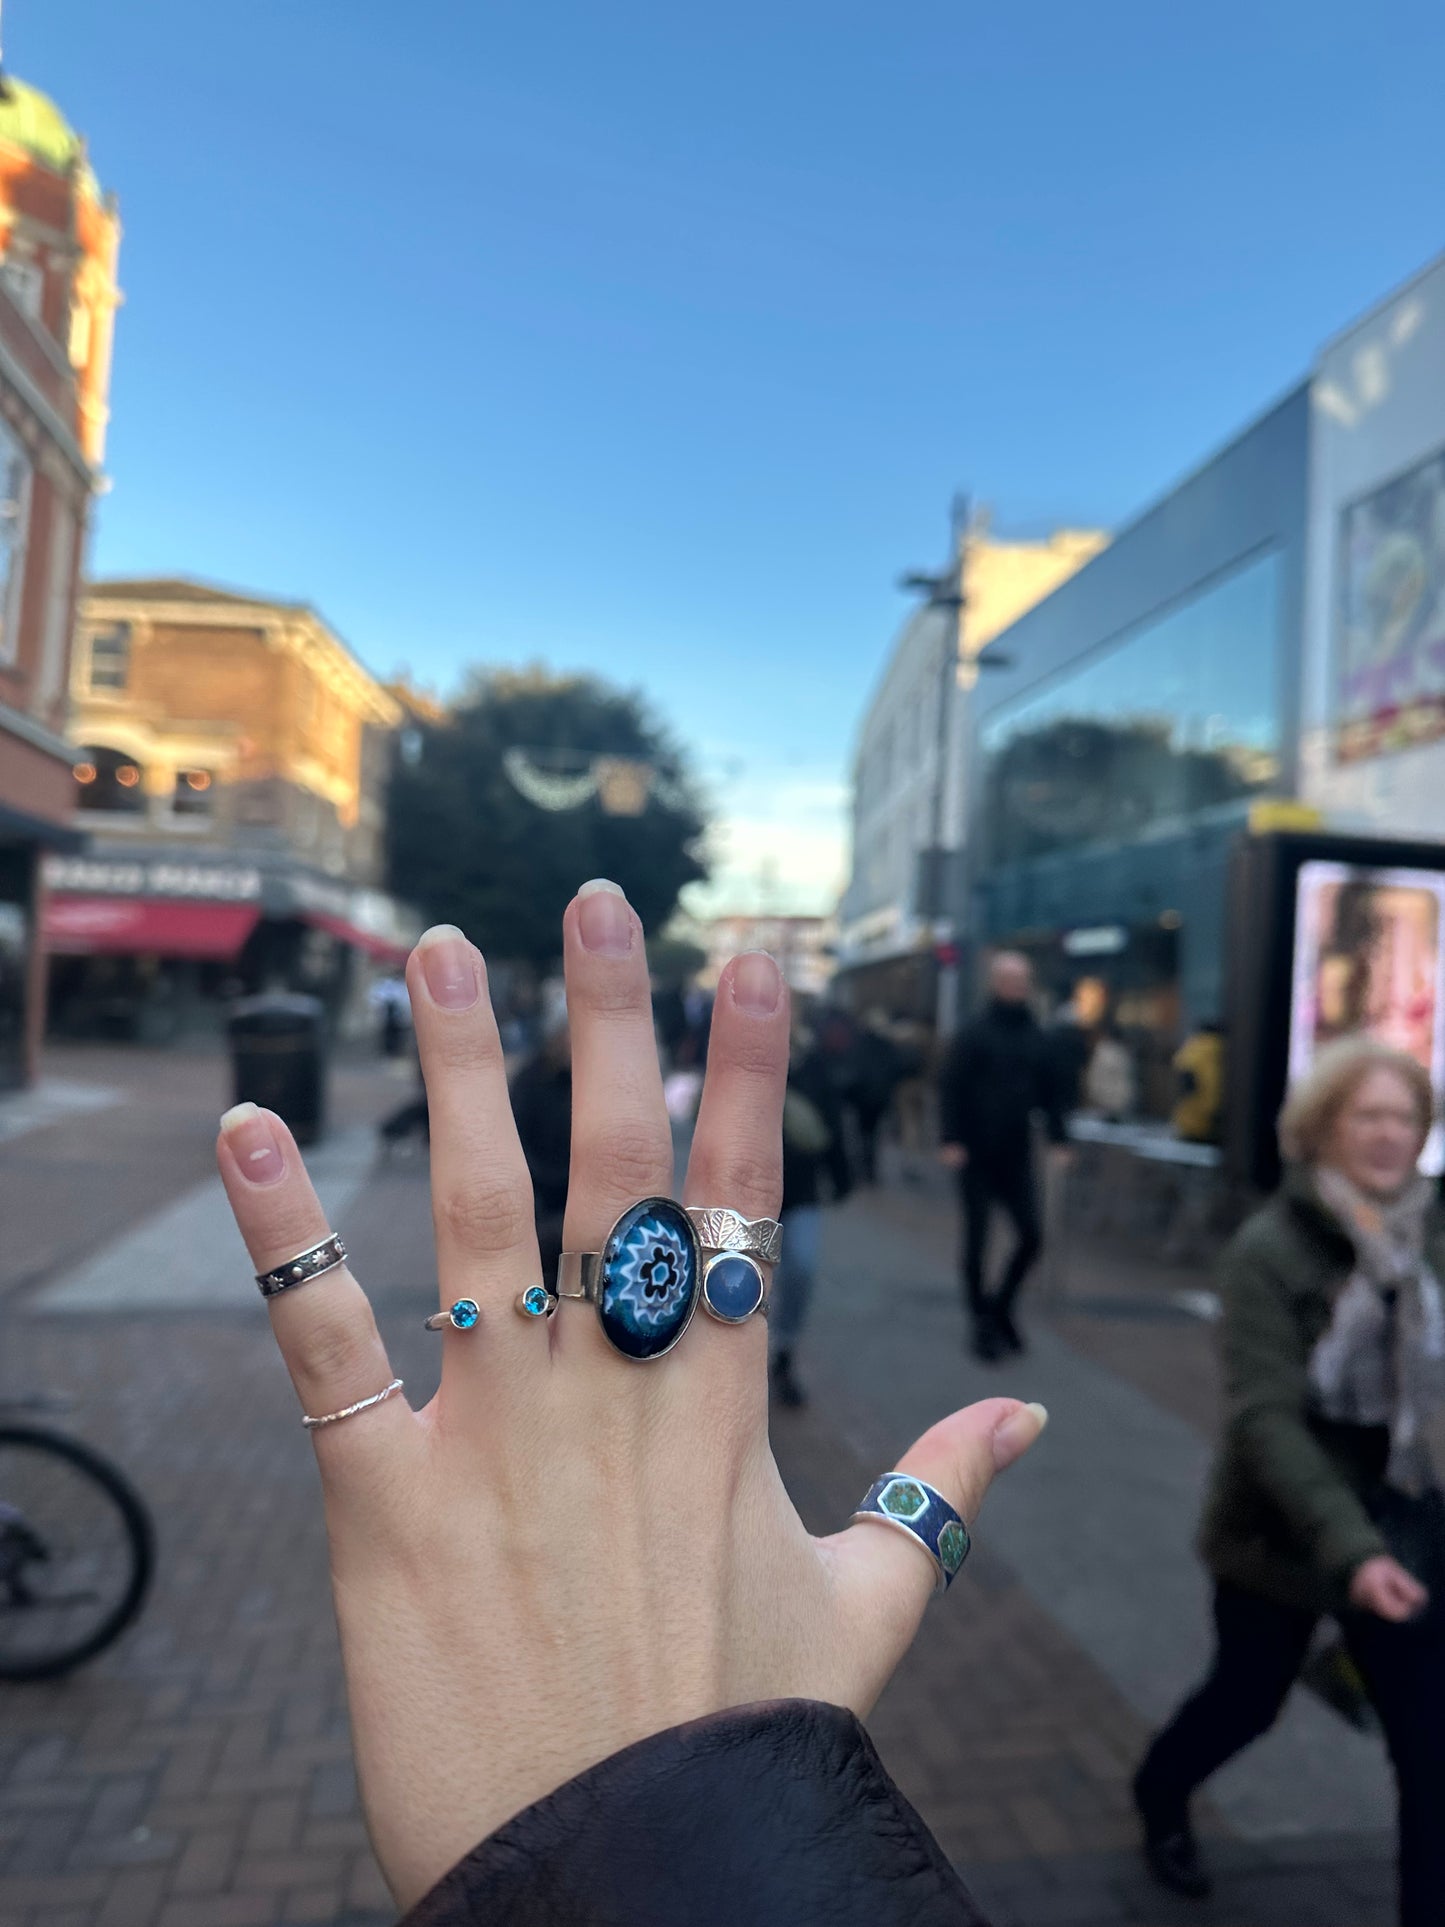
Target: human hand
(1383, 1586)
(566, 1552)
(953, 1157)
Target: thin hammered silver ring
(721, 1229)
(350, 1411)
(305, 1266)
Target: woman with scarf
(1323, 1498)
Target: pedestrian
(1070, 1047)
(1110, 1086)
(542, 1107)
(1198, 1114)
(998, 1078)
(598, 1670)
(815, 1168)
(1323, 1498)
(389, 998)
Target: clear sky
(652, 339)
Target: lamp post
(947, 593)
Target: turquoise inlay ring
(644, 1282)
(463, 1316)
(911, 1505)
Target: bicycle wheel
(76, 1553)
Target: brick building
(58, 245)
(230, 765)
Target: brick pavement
(200, 1772)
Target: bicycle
(77, 1548)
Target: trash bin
(278, 1058)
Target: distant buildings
(230, 762)
(60, 240)
(908, 774)
(801, 946)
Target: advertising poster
(1392, 616)
(1368, 956)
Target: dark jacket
(542, 1107)
(998, 1076)
(809, 1176)
(778, 1815)
(1289, 1509)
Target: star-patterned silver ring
(306, 1265)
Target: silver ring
(720, 1229)
(350, 1411)
(461, 1316)
(305, 1266)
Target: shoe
(1173, 1859)
(1010, 1338)
(987, 1342)
(789, 1391)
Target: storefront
(1139, 716)
(156, 945)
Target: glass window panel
(1179, 716)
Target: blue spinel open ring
(536, 1302)
(644, 1281)
(735, 1250)
(898, 1499)
(305, 1266)
(461, 1316)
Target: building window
(14, 526)
(195, 792)
(24, 283)
(109, 780)
(1178, 717)
(59, 594)
(110, 658)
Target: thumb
(884, 1581)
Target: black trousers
(1260, 1649)
(1010, 1186)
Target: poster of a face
(1392, 615)
(1369, 957)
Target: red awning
(147, 926)
(382, 948)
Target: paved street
(199, 1774)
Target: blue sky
(653, 339)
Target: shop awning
(147, 926)
(384, 949)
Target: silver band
(721, 1229)
(350, 1411)
(305, 1266)
(579, 1275)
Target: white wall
(1378, 410)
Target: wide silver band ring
(721, 1229)
(305, 1266)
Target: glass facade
(1165, 722)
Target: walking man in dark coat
(998, 1077)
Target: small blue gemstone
(733, 1287)
(465, 1313)
(534, 1300)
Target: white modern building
(909, 787)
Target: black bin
(278, 1058)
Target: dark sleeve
(549, 1169)
(956, 1090)
(1051, 1091)
(774, 1815)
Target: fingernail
(254, 1145)
(1013, 1437)
(757, 983)
(604, 919)
(449, 965)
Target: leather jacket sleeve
(776, 1813)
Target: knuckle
(630, 1165)
(337, 1346)
(758, 1051)
(749, 1180)
(471, 1045)
(484, 1216)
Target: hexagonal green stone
(952, 1546)
(903, 1499)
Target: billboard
(1369, 956)
(1391, 659)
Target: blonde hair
(1315, 1100)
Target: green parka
(1287, 1513)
